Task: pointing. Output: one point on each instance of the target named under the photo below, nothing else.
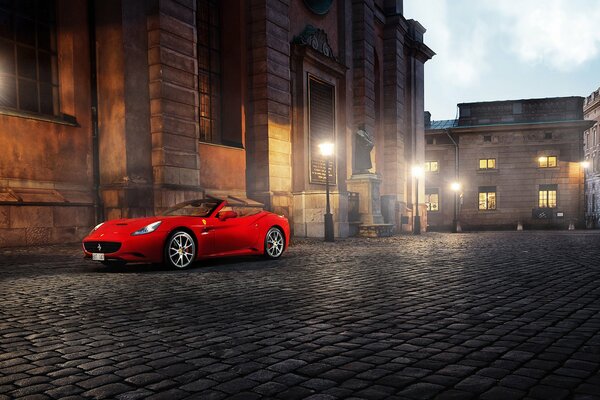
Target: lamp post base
(329, 227)
(417, 225)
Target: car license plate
(98, 256)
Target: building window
(548, 135)
(487, 138)
(209, 70)
(487, 197)
(547, 196)
(321, 128)
(547, 162)
(431, 166)
(430, 140)
(28, 66)
(487, 163)
(432, 199)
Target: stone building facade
(591, 148)
(518, 163)
(121, 108)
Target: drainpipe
(98, 206)
(456, 175)
(456, 169)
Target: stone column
(123, 108)
(394, 121)
(268, 140)
(173, 87)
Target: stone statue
(363, 144)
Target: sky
(509, 49)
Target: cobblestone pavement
(489, 315)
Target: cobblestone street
(497, 315)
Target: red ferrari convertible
(197, 229)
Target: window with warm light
(547, 196)
(431, 166)
(28, 60)
(209, 69)
(487, 198)
(432, 199)
(547, 161)
(487, 163)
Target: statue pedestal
(369, 205)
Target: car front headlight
(96, 227)
(147, 229)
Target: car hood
(126, 225)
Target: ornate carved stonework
(319, 7)
(316, 39)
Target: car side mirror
(225, 215)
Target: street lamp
(327, 149)
(455, 186)
(417, 172)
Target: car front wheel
(180, 250)
(274, 243)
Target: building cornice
(528, 126)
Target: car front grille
(102, 247)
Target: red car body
(222, 232)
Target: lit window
(432, 199)
(547, 162)
(547, 196)
(209, 70)
(487, 163)
(487, 198)
(28, 72)
(431, 166)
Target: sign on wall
(321, 128)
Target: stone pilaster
(173, 87)
(363, 39)
(394, 121)
(268, 140)
(123, 112)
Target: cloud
(562, 34)
(461, 48)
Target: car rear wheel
(274, 243)
(180, 250)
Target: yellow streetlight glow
(326, 149)
(585, 164)
(455, 186)
(417, 171)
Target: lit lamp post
(417, 172)
(327, 149)
(455, 186)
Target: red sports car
(197, 229)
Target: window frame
(487, 191)
(213, 117)
(41, 78)
(429, 164)
(428, 193)
(547, 190)
(487, 163)
(546, 160)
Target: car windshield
(194, 208)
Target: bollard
(571, 226)
(519, 226)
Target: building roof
(443, 124)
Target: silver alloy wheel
(274, 243)
(181, 250)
